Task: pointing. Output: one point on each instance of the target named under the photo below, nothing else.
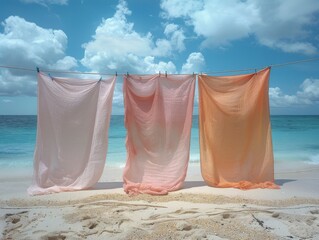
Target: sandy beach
(195, 212)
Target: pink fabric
(158, 118)
(73, 121)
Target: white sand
(195, 212)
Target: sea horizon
(295, 139)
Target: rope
(271, 65)
(50, 70)
(296, 62)
(18, 68)
(232, 71)
(122, 74)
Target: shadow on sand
(187, 184)
(107, 185)
(281, 182)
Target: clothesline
(127, 73)
(271, 65)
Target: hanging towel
(158, 119)
(72, 130)
(235, 131)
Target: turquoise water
(295, 138)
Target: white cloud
(116, 46)
(47, 2)
(194, 63)
(32, 46)
(279, 99)
(64, 63)
(12, 84)
(309, 90)
(7, 101)
(221, 22)
(150, 66)
(176, 36)
(288, 28)
(163, 48)
(178, 8)
(292, 47)
(308, 94)
(279, 24)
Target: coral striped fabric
(73, 121)
(158, 118)
(235, 131)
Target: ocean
(295, 138)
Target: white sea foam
(314, 159)
(16, 162)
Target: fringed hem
(245, 185)
(143, 188)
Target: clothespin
(100, 79)
(116, 74)
(166, 74)
(127, 74)
(159, 73)
(38, 70)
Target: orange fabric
(235, 131)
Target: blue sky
(177, 36)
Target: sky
(152, 36)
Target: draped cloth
(158, 119)
(235, 131)
(72, 130)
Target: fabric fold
(72, 131)
(235, 131)
(158, 118)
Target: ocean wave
(314, 159)
(9, 163)
(115, 164)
